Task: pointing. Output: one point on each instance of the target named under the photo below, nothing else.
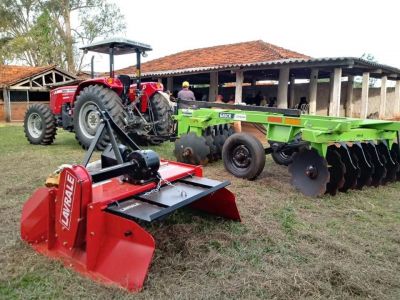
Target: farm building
(244, 70)
(253, 72)
(21, 85)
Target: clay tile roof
(10, 74)
(240, 53)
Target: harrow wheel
(310, 173)
(243, 156)
(395, 152)
(391, 165)
(336, 169)
(366, 169)
(379, 168)
(352, 169)
(192, 149)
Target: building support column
(382, 102)
(335, 93)
(312, 93)
(283, 88)
(170, 84)
(7, 104)
(291, 92)
(213, 90)
(159, 80)
(239, 87)
(364, 95)
(349, 96)
(330, 109)
(396, 110)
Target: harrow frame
(284, 125)
(288, 129)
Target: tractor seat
(126, 83)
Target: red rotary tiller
(89, 218)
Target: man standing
(185, 93)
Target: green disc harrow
(324, 154)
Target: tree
(358, 79)
(16, 20)
(38, 32)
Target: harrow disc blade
(231, 130)
(391, 165)
(336, 169)
(192, 149)
(219, 139)
(379, 168)
(395, 152)
(366, 169)
(213, 156)
(352, 169)
(225, 132)
(309, 172)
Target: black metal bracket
(277, 147)
(108, 124)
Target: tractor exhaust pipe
(92, 67)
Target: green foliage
(16, 19)
(48, 47)
(369, 57)
(358, 79)
(46, 32)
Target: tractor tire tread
(162, 111)
(256, 150)
(50, 126)
(110, 101)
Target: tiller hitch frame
(89, 220)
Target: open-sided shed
(21, 85)
(326, 83)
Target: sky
(316, 28)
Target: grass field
(287, 247)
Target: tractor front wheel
(87, 118)
(40, 125)
(243, 156)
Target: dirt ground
(287, 246)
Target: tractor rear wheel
(40, 125)
(90, 101)
(243, 156)
(162, 115)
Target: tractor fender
(111, 83)
(144, 103)
(166, 96)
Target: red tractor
(141, 109)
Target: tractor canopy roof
(120, 45)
